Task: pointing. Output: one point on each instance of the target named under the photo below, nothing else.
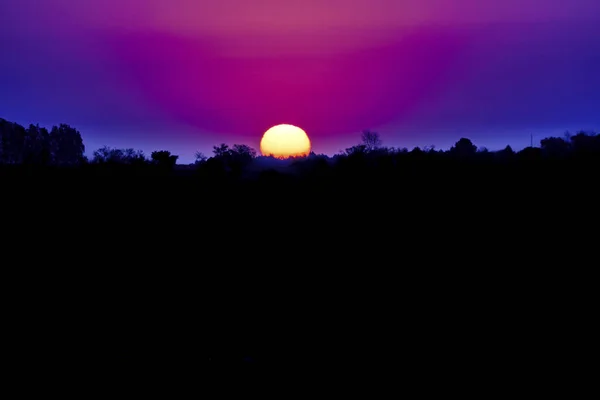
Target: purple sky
(183, 75)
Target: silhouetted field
(464, 263)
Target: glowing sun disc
(284, 141)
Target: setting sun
(284, 141)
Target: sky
(184, 75)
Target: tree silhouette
(12, 142)
(164, 158)
(221, 150)
(244, 151)
(37, 146)
(370, 140)
(118, 156)
(508, 151)
(66, 145)
(463, 148)
(232, 159)
(199, 157)
(584, 143)
(356, 150)
(241, 157)
(555, 147)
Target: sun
(284, 141)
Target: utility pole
(532, 140)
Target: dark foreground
(466, 272)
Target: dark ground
(453, 275)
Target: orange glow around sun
(284, 141)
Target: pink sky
(187, 74)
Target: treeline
(35, 145)
(62, 146)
